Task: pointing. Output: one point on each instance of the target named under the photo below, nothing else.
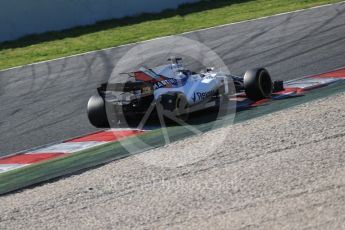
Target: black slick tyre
(97, 113)
(258, 84)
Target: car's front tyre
(257, 84)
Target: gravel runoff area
(282, 171)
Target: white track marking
(9, 167)
(70, 147)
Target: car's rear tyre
(97, 113)
(258, 84)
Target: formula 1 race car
(174, 89)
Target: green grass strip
(113, 33)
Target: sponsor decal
(199, 96)
(166, 83)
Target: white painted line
(35, 149)
(121, 129)
(312, 75)
(310, 82)
(209, 28)
(126, 129)
(9, 167)
(68, 147)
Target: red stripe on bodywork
(107, 136)
(29, 158)
(334, 74)
(141, 76)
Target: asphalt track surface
(285, 170)
(46, 102)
